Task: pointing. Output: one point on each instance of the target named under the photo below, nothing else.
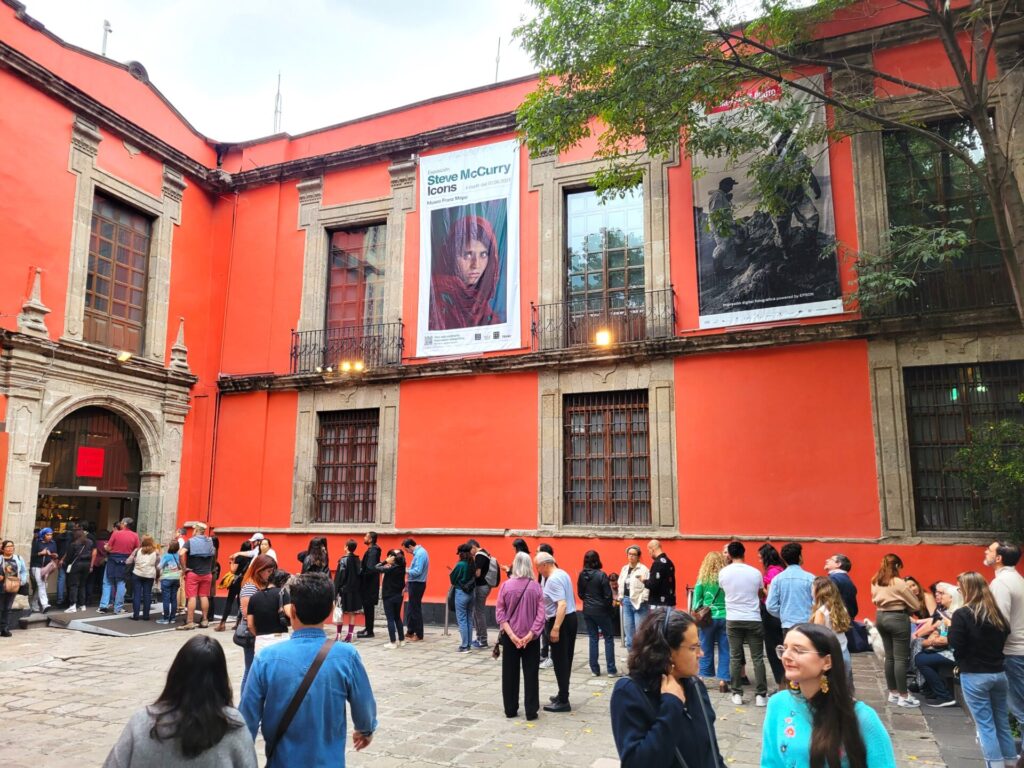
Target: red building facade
(236, 331)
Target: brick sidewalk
(66, 697)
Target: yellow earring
(794, 685)
(824, 683)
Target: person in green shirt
(708, 593)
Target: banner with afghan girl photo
(469, 251)
(756, 265)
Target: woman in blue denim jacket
(14, 568)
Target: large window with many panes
(929, 186)
(607, 470)
(115, 288)
(346, 467)
(946, 406)
(604, 266)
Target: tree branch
(833, 64)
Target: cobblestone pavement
(66, 696)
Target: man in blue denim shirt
(316, 737)
(416, 574)
(790, 595)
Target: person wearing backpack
(596, 594)
(487, 572)
(197, 558)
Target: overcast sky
(217, 62)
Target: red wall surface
(777, 442)
(467, 454)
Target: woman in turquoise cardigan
(708, 593)
(819, 708)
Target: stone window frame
(887, 359)
(383, 398)
(319, 220)
(553, 179)
(658, 378)
(165, 211)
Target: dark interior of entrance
(92, 475)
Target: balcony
(626, 316)
(953, 288)
(376, 346)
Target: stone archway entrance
(92, 468)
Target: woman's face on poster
(471, 261)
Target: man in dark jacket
(838, 569)
(662, 581)
(370, 587)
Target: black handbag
(243, 636)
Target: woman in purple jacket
(520, 615)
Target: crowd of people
(965, 637)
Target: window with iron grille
(115, 287)
(928, 186)
(607, 475)
(945, 403)
(346, 468)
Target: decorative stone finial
(179, 352)
(32, 318)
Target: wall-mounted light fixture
(603, 337)
(124, 356)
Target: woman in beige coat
(633, 595)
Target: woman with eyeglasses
(661, 714)
(816, 722)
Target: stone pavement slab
(67, 695)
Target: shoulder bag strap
(711, 733)
(300, 694)
(654, 715)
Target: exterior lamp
(345, 366)
(319, 369)
(358, 366)
(603, 337)
(124, 356)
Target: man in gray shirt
(560, 626)
(1008, 591)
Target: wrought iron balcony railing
(952, 288)
(626, 315)
(375, 345)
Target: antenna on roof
(277, 106)
(107, 29)
(497, 61)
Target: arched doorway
(93, 472)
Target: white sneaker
(737, 699)
(894, 698)
(907, 701)
(401, 643)
(547, 663)
(393, 645)
(72, 609)
(761, 701)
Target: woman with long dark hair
(977, 635)
(391, 589)
(895, 601)
(463, 581)
(347, 584)
(773, 565)
(465, 280)
(240, 561)
(816, 722)
(192, 720)
(79, 558)
(596, 593)
(315, 558)
(661, 714)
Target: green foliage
(911, 250)
(992, 467)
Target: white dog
(875, 639)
